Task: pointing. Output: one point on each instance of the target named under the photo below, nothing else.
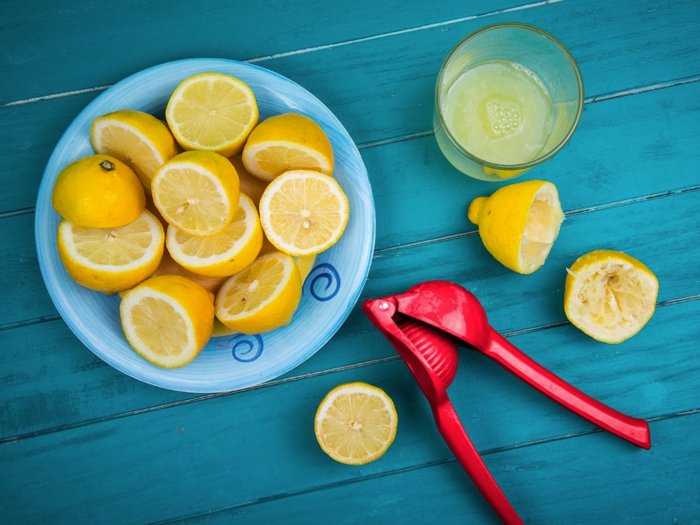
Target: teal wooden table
(82, 443)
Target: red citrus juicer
(425, 324)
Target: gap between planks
(589, 100)
(402, 138)
(412, 468)
(309, 49)
(197, 399)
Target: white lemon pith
(138, 139)
(610, 295)
(212, 111)
(262, 297)
(167, 320)
(303, 212)
(110, 260)
(197, 192)
(225, 253)
(356, 423)
(541, 228)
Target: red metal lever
(453, 432)
(509, 357)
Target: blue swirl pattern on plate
(324, 282)
(94, 317)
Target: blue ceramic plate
(238, 361)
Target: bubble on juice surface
(501, 116)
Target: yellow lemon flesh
(610, 295)
(98, 191)
(110, 260)
(262, 297)
(305, 264)
(213, 112)
(138, 139)
(167, 320)
(303, 212)
(356, 423)
(251, 186)
(287, 142)
(225, 253)
(519, 223)
(197, 192)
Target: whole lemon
(98, 191)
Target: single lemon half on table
(303, 212)
(356, 423)
(212, 111)
(610, 295)
(287, 142)
(98, 191)
(197, 192)
(110, 260)
(519, 223)
(168, 319)
(136, 138)
(262, 297)
(225, 253)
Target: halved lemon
(225, 253)
(212, 111)
(167, 320)
(287, 142)
(610, 295)
(110, 260)
(519, 223)
(136, 138)
(356, 423)
(197, 192)
(303, 212)
(262, 297)
(305, 265)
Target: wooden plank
(118, 36)
(588, 480)
(610, 159)
(219, 453)
(596, 168)
(514, 302)
(635, 228)
(376, 103)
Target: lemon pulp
(500, 112)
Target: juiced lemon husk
(519, 223)
(610, 295)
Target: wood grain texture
(376, 102)
(84, 443)
(220, 453)
(513, 302)
(116, 36)
(578, 482)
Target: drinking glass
(539, 52)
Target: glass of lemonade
(508, 97)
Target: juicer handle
(453, 432)
(509, 357)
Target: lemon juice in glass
(508, 97)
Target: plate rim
(52, 288)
